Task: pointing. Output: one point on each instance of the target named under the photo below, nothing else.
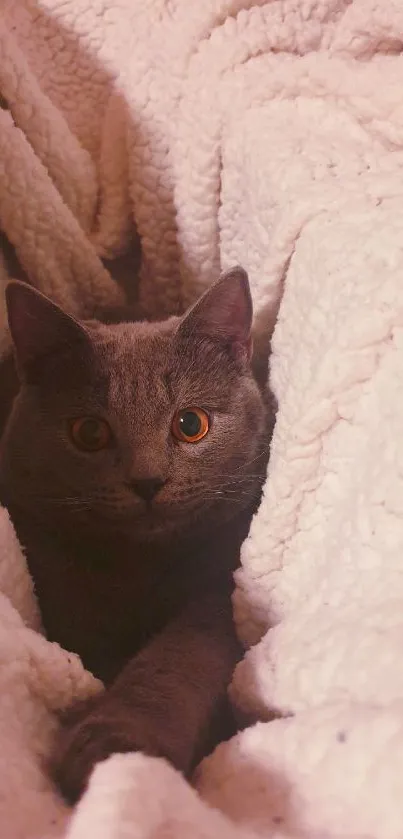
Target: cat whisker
(228, 495)
(242, 483)
(72, 503)
(262, 453)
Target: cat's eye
(190, 425)
(90, 434)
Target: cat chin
(141, 528)
(170, 525)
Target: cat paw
(80, 746)
(104, 731)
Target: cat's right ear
(224, 313)
(38, 326)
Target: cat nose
(147, 488)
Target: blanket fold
(268, 134)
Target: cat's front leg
(165, 701)
(108, 727)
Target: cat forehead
(146, 354)
(134, 341)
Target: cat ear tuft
(38, 326)
(224, 313)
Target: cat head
(152, 427)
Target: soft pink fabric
(269, 134)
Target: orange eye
(90, 434)
(190, 425)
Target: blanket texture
(269, 134)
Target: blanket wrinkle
(268, 134)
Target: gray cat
(131, 465)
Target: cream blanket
(268, 134)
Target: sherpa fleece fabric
(268, 134)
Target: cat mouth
(158, 515)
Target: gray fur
(135, 375)
(141, 590)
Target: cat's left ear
(39, 328)
(224, 314)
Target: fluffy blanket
(270, 134)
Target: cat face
(157, 429)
